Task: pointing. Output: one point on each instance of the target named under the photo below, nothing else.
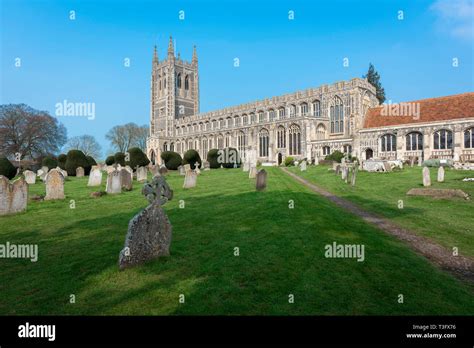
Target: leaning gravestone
(114, 182)
(303, 166)
(42, 174)
(354, 175)
(426, 177)
(13, 196)
(62, 171)
(127, 179)
(95, 177)
(79, 172)
(441, 174)
(141, 174)
(190, 179)
(261, 182)
(181, 170)
(253, 172)
(30, 177)
(54, 185)
(150, 231)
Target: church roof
(421, 111)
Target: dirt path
(460, 266)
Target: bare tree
(141, 135)
(85, 143)
(126, 136)
(29, 132)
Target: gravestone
(252, 172)
(441, 174)
(95, 177)
(387, 166)
(154, 170)
(163, 170)
(45, 169)
(62, 171)
(42, 174)
(114, 182)
(419, 161)
(141, 174)
(354, 175)
(412, 161)
(54, 185)
(13, 196)
(347, 170)
(261, 182)
(196, 165)
(343, 173)
(206, 165)
(426, 177)
(338, 169)
(187, 168)
(30, 177)
(197, 170)
(246, 166)
(303, 166)
(79, 172)
(316, 161)
(190, 179)
(127, 179)
(149, 232)
(181, 170)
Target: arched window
(414, 141)
(221, 123)
(292, 110)
(316, 108)
(469, 138)
(304, 109)
(443, 139)
(326, 150)
(281, 113)
(260, 116)
(229, 122)
(159, 82)
(336, 115)
(271, 114)
(237, 121)
(294, 140)
(172, 147)
(227, 140)
(164, 81)
(204, 147)
(241, 143)
(281, 137)
(165, 146)
(263, 143)
(186, 82)
(245, 120)
(214, 124)
(152, 157)
(252, 118)
(178, 80)
(320, 132)
(190, 144)
(388, 143)
(220, 142)
(347, 149)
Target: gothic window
(252, 118)
(220, 142)
(469, 138)
(204, 147)
(165, 146)
(245, 120)
(241, 143)
(271, 114)
(159, 82)
(214, 124)
(443, 139)
(237, 121)
(229, 122)
(221, 123)
(304, 109)
(347, 149)
(227, 140)
(320, 132)
(326, 150)
(172, 147)
(317, 108)
(281, 137)
(294, 140)
(178, 80)
(260, 117)
(388, 143)
(336, 115)
(186, 82)
(292, 110)
(164, 81)
(263, 142)
(414, 141)
(281, 113)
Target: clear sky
(82, 60)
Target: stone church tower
(174, 95)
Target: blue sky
(82, 60)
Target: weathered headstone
(62, 171)
(141, 174)
(187, 168)
(149, 232)
(190, 179)
(441, 174)
(196, 165)
(387, 167)
(42, 174)
(54, 185)
(181, 170)
(114, 182)
(303, 166)
(45, 169)
(197, 170)
(206, 165)
(30, 177)
(252, 172)
(338, 169)
(95, 177)
(343, 172)
(127, 179)
(13, 196)
(261, 182)
(163, 170)
(354, 175)
(246, 166)
(426, 177)
(79, 172)
(154, 170)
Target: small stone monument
(54, 185)
(190, 179)
(253, 172)
(163, 170)
(261, 182)
(354, 175)
(149, 232)
(187, 168)
(246, 167)
(79, 172)
(141, 174)
(114, 182)
(426, 177)
(30, 177)
(181, 170)
(206, 165)
(303, 166)
(154, 169)
(13, 196)
(441, 174)
(95, 177)
(127, 179)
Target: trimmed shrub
(91, 161)
(62, 158)
(172, 159)
(336, 156)
(119, 158)
(50, 162)
(212, 156)
(229, 157)
(75, 159)
(191, 157)
(137, 158)
(110, 160)
(289, 161)
(7, 168)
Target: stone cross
(157, 191)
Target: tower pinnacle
(195, 57)
(170, 47)
(155, 56)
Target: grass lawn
(448, 222)
(281, 253)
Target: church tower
(174, 92)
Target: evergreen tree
(374, 78)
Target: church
(312, 123)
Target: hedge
(191, 157)
(229, 157)
(7, 168)
(76, 159)
(50, 162)
(62, 158)
(212, 157)
(119, 158)
(172, 159)
(137, 158)
(110, 160)
(336, 156)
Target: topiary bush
(7, 168)
(137, 158)
(172, 159)
(119, 158)
(62, 158)
(212, 157)
(229, 157)
(110, 160)
(336, 156)
(91, 161)
(191, 157)
(289, 161)
(75, 159)
(50, 162)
